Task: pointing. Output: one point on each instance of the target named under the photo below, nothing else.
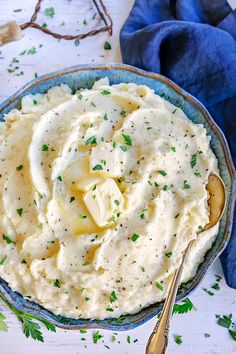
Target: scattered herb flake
(7, 239)
(20, 211)
(128, 339)
(20, 167)
(113, 297)
(77, 42)
(97, 168)
(105, 92)
(134, 237)
(161, 172)
(107, 46)
(96, 337)
(44, 147)
(207, 335)
(159, 286)
(210, 293)
(49, 12)
(72, 199)
(3, 259)
(178, 340)
(225, 321)
(168, 254)
(105, 117)
(91, 140)
(186, 185)
(127, 139)
(57, 283)
(173, 148)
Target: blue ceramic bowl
(83, 76)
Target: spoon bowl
(158, 341)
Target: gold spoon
(158, 341)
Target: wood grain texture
(54, 55)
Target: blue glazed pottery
(83, 76)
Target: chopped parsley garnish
(77, 42)
(59, 178)
(113, 297)
(168, 254)
(80, 96)
(82, 331)
(165, 187)
(143, 269)
(123, 113)
(107, 46)
(134, 237)
(20, 211)
(143, 213)
(216, 286)
(44, 147)
(127, 139)
(103, 162)
(186, 185)
(177, 215)
(85, 22)
(123, 148)
(17, 10)
(114, 144)
(178, 339)
(85, 264)
(161, 172)
(96, 337)
(193, 160)
(83, 216)
(117, 202)
(207, 335)
(173, 148)
(224, 321)
(72, 199)
(97, 168)
(7, 239)
(105, 117)
(19, 168)
(109, 309)
(210, 293)
(159, 286)
(23, 261)
(128, 339)
(3, 259)
(49, 12)
(198, 174)
(35, 102)
(91, 140)
(185, 306)
(57, 283)
(105, 92)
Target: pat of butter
(107, 160)
(104, 202)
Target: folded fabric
(193, 43)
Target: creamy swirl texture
(100, 193)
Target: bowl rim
(6, 291)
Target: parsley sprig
(30, 328)
(185, 306)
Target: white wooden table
(51, 55)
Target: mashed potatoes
(100, 193)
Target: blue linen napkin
(192, 42)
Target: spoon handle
(158, 340)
